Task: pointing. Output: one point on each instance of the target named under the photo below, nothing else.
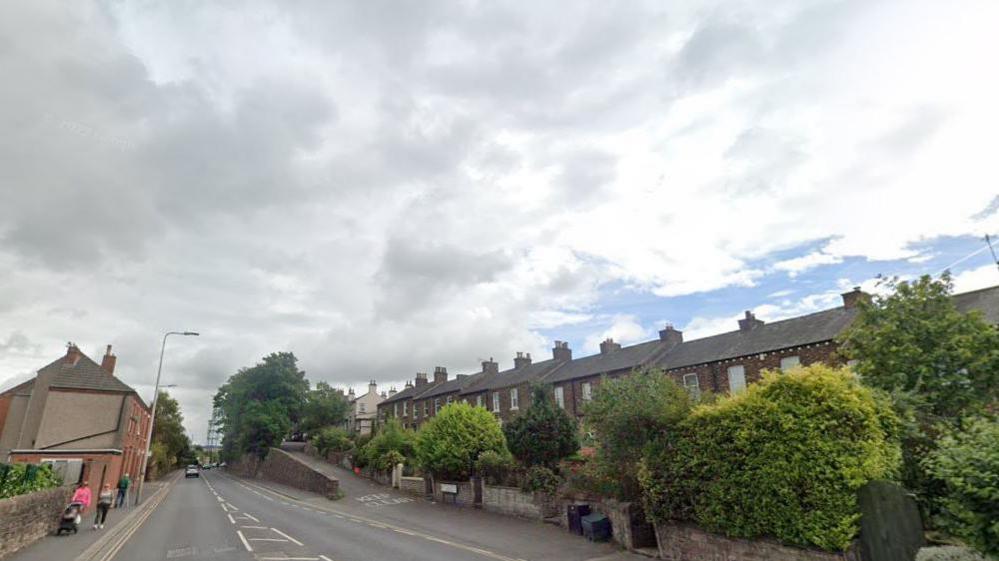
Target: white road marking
(231, 519)
(255, 527)
(246, 544)
(231, 507)
(251, 517)
(280, 533)
(324, 558)
(267, 540)
(223, 507)
(401, 531)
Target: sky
(385, 187)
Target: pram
(70, 519)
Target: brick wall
(511, 501)
(413, 485)
(26, 518)
(684, 542)
(464, 498)
(714, 376)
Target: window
(416, 410)
(395, 410)
(736, 379)
(587, 391)
(560, 396)
(514, 399)
(496, 402)
(478, 400)
(437, 405)
(449, 399)
(789, 362)
(426, 408)
(405, 406)
(361, 405)
(691, 383)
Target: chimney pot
(749, 322)
(853, 298)
(109, 361)
(561, 352)
(609, 346)
(671, 335)
(521, 361)
(440, 375)
(421, 379)
(490, 366)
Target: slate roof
(513, 376)
(84, 375)
(405, 393)
(621, 359)
(985, 300)
(456, 384)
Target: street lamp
(152, 418)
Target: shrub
(540, 479)
(949, 553)
(966, 461)
(544, 434)
(783, 459)
(449, 444)
(624, 415)
(495, 467)
(18, 479)
(391, 438)
(357, 455)
(331, 439)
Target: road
(221, 517)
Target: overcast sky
(382, 187)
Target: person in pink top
(82, 495)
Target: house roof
(985, 300)
(620, 359)
(513, 376)
(399, 396)
(456, 384)
(84, 375)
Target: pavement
(222, 517)
(71, 546)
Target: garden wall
(685, 542)
(510, 500)
(283, 467)
(413, 485)
(29, 517)
(464, 497)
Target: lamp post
(152, 417)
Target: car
(191, 471)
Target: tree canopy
(544, 434)
(449, 444)
(169, 433)
(324, 407)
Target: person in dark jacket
(122, 498)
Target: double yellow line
(128, 527)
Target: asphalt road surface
(220, 517)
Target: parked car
(192, 471)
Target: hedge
(450, 443)
(18, 479)
(783, 459)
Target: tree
(626, 414)
(937, 363)
(260, 405)
(331, 439)
(544, 434)
(967, 462)
(449, 445)
(324, 407)
(168, 431)
(391, 443)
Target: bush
(496, 467)
(544, 434)
(783, 459)
(18, 479)
(540, 479)
(625, 414)
(331, 439)
(949, 553)
(357, 455)
(967, 463)
(450, 443)
(391, 438)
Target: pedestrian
(82, 495)
(104, 501)
(122, 498)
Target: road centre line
(245, 543)
(324, 558)
(279, 532)
(231, 519)
(224, 508)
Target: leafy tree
(168, 431)
(391, 443)
(324, 407)
(625, 414)
(967, 462)
(544, 434)
(937, 363)
(331, 439)
(783, 459)
(915, 341)
(259, 405)
(450, 443)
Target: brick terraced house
(726, 362)
(75, 415)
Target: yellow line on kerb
(401, 530)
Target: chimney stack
(373, 386)
(853, 298)
(409, 384)
(521, 361)
(72, 354)
(609, 346)
(749, 322)
(490, 366)
(421, 379)
(671, 335)
(392, 391)
(109, 360)
(350, 393)
(440, 374)
(562, 352)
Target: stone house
(364, 409)
(76, 415)
(507, 393)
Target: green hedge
(783, 459)
(18, 479)
(450, 443)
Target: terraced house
(721, 363)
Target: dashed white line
(246, 544)
(324, 558)
(255, 527)
(280, 533)
(231, 519)
(267, 540)
(223, 507)
(251, 517)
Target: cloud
(623, 329)
(798, 265)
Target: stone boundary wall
(27, 518)
(464, 498)
(282, 467)
(511, 501)
(685, 542)
(413, 485)
(628, 524)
